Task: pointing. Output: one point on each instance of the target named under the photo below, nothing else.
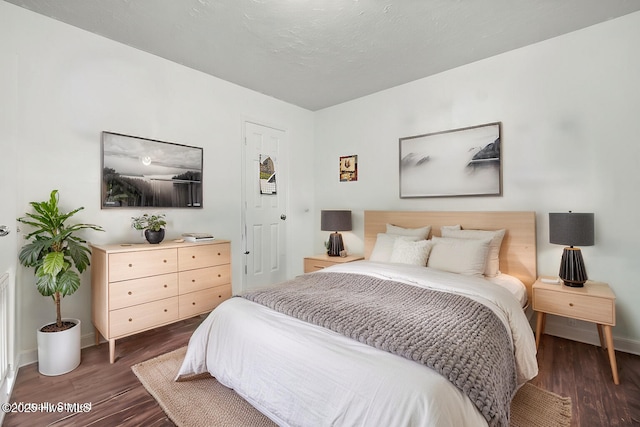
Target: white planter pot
(59, 352)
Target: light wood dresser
(136, 287)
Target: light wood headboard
(518, 250)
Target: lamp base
(572, 270)
(335, 245)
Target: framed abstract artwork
(452, 163)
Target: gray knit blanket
(459, 338)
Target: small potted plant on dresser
(58, 256)
(153, 226)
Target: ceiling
(319, 53)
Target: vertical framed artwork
(267, 175)
(452, 163)
(349, 168)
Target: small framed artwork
(452, 163)
(349, 168)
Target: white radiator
(4, 327)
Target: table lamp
(335, 221)
(572, 229)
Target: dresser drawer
(198, 256)
(132, 265)
(203, 278)
(582, 307)
(203, 301)
(138, 291)
(143, 316)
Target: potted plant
(153, 226)
(58, 256)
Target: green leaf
(45, 283)
(54, 263)
(30, 255)
(79, 254)
(68, 282)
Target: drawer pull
(193, 280)
(219, 275)
(165, 310)
(193, 257)
(193, 303)
(166, 286)
(570, 304)
(130, 320)
(219, 296)
(130, 265)
(129, 293)
(164, 260)
(219, 254)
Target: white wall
(568, 106)
(71, 85)
(569, 110)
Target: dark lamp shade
(571, 229)
(335, 220)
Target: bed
(387, 341)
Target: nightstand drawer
(582, 307)
(316, 264)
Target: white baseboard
(28, 357)
(585, 332)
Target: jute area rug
(202, 401)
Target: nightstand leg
(612, 353)
(602, 343)
(539, 327)
(112, 350)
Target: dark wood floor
(576, 370)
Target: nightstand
(318, 262)
(595, 302)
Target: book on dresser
(136, 287)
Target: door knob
(283, 217)
(4, 230)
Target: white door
(265, 201)
(9, 185)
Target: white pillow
(384, 246)
(422, 232)
(462, 256)
(407, 252)
(449, 227)
(492, 268)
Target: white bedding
(299, 374)
(513, 285)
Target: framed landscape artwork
(458, 162)
(141, 172)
